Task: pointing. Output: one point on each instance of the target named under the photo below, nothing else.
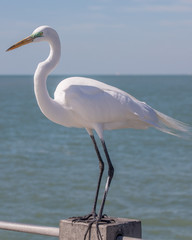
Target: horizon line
(106, 74)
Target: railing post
(122, 227)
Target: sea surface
(49, 172)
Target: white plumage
(93, 105)
(87, 103)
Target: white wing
(93, 102)
(96, 102)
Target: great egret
(86, 103)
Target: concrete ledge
(121, 227)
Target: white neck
(45, 102)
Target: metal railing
(27, 228)
(41, 230)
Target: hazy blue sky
(101, 36)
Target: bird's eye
(36, 35)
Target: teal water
(49, 172)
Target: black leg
(100, 217)
(101, 167)
(92, 216)
(109, 178)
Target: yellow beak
(21, 43)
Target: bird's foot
(104, 220)
(87, 218)
(91, 219)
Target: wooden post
(70, 230)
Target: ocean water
(49, 172)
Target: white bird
(86, 103)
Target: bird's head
(39, 34)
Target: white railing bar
(127, 238)
(27, 228)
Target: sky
(100, 36)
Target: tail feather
(172, 126)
